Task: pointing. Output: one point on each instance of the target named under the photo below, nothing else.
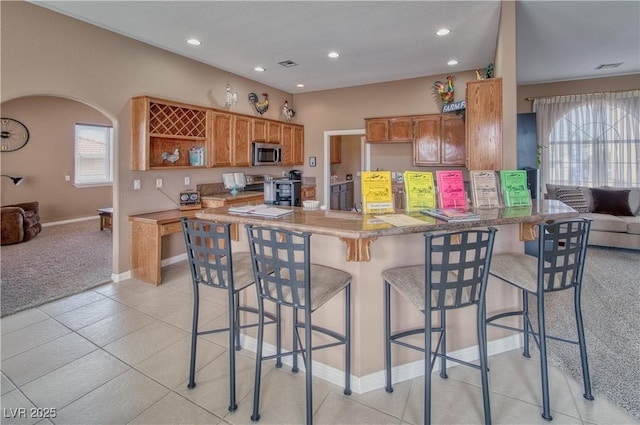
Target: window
(592, 140)
(93, 154)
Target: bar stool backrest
(208, 251)
(457, 266)
(562, 248)
(281, 264)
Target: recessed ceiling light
(194, 42)
(334, 54)
(443, 31)
(300, 85)
(259, 69)
(452, 62)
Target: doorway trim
(365, 156)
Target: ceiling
(378, 41)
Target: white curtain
(590, 139)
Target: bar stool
(562, 247)
(212, 264)
(297, 283)
(454, 276)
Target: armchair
(20, 222)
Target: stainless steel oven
(267, 154)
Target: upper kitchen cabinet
(383, 130)
(439, 140)
(335, 149)
(292, 141)
(231, 140)
(266, 131)
(484, 124)
(163, 132)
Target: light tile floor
(118, 354)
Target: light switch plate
(158, 183)
(136, 185)
(187, 180)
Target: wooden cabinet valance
(161, 127)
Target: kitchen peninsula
(365, 246)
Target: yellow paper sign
(420, 189)
(377, 196)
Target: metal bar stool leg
(544, 372)
(428, 365)
(387, 335)
(295, 368)
(194, 338)
(484, 361)
(583, 347)
(278, 336)
(307, 364)
(443, 347)
(526, 325)
(347, 335)
(236, 327)
(234, 342)
(255, 416)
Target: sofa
(615, 212)
(20, 222)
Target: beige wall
(48, 157)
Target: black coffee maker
(295, 175)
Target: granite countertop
(333, 183)
(353, 225)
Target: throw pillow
(614, 202)
(573, 197)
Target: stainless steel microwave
(267, 154)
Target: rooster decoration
(261, 107)
(231, 98)
(445, 91)
(172, 158)
(287, 112)
(488, 73)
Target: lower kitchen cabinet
(342, 196)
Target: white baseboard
(73, 220)
(376, 380)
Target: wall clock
(13, 135)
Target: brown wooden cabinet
(298, 145)
(308, 193)
(484, 124)
(439, 140)
(231, 140)
(164, 127)
(292, 144)
(335, 149)
(161, 126)
(258, 130)
(383, 130)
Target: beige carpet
(611, 307)
(62, 260)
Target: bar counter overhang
(364, 247)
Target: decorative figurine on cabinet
(261, 107)
(172, 158)
(488, 73)
(446, 91)
(230, 99)
(288, 113)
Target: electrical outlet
(158, 183)
(187, 181)
(284, 173)
(136, 185)
(67, 178)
